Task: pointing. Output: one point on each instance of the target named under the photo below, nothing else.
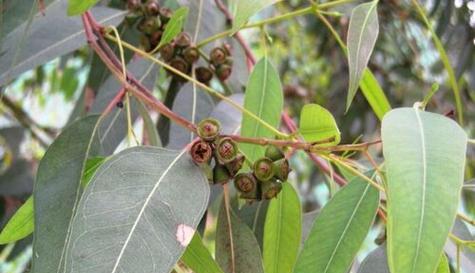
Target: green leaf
(443, 266)
(263, 97)
(76, 7)
(425, 160)
(374, 94)
(362, 34)
(317, 123)
(92, 164)
(245, 9)
(247, 255)
(20, 225)
(282, 231)
(174, 26)
(339, 229)
(198, 258)
(375, 262)
(22, 52)
(131, 204)
(57, 192)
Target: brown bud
(220, 174)
(150, 25)
(201, 152)
(263, 169)
(165, 14)
(282, 169)
(191, 54)
(223, 72)
(270, 189)
(245, 182)
(155, 38)
(183, 40)
(152, 8)
(274, 153)
(218, 55)
(226, 150)
(133, 5)
(145, 43)
(179, 64)
(208, 129)
(236, 165)
(203, 74)
(167, 52)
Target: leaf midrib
(261, 103)
(332, 256)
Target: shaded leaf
(254, 216)
(20, 225)
(425, 161)
(174, 26)
(77, 7)
(198, 258)
(467, 258)
(245, 9)
(229, 117)
(317, 124)
(339, 229)
(247, 255)
(264, 98)
(57, 192)
(48, 37)
(282, 231)
(375, 262)
(131, 204)
(374, 94)
(362, 34)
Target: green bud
(208, 129)
(263, 169)
(270, 189)
(226, 150)
(274, 153)
(282, 169)
(236, 165)
(220, 174)
(245, 183)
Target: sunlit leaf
(362, 34)
(425, 160)
(374, 94)
(76, 7)
(198, 258)
(245, 9)
(282, 231)
(174, 26)
(264, 98)
(20, 225)
(339, 229)
(318, 124)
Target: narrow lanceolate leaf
(362, 34)
(130, 219)
(47, 38)
(57, 192)
(443, 266)
(265, 99)
(374, 94)
(20, 225)
(282, 231)
(174, 26)
(198, 258)
(245, 9)
(77, 7)
(339, 230)
(318, 124)
(425, 160)
(245, 252)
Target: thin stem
(471, 141)
(465, 218)
(445, 60)
(275, 19)
(227, 202)
(201, 85)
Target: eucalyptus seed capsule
(191, 54)
(282, 169)
(236, 165)
(263, 169)
(208, 129)
(218, 55)
(223, 72)
(274, 153)
(181, 65)
(167, 52)
(245, 182)
(183, 40)
(226, 150)
(203, 74)
(270, 189)
(201, 152)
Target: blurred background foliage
(312, 66)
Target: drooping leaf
(339, 229)
(198, 258)
(57, 192)
(174, 26)
(48, 37)
(247, 255)
(264, 98)
(245, 9)
(362, 34)
(425, 160)
(77, 7)
(20, 225)
(318, 124)
(282, 231)
(131, 204)
(374, 94)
